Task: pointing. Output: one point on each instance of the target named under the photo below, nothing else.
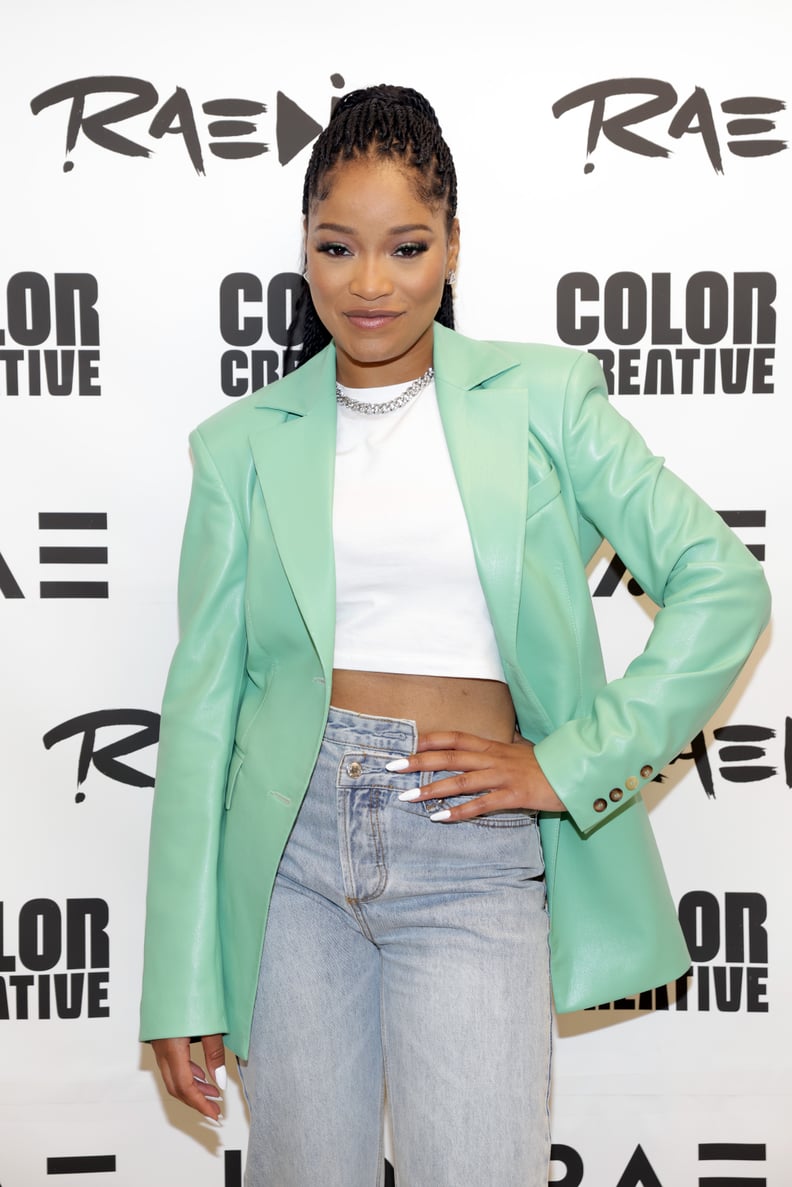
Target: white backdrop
(113, 263)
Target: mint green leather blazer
(545, 468)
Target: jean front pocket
(515, 818)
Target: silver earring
(451, 278)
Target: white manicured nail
(214, 1098)
(412, 794)
(220, 1078)
(398, 764)
(443, 814)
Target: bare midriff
(482, 707)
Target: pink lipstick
(370, 319)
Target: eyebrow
(341, 230)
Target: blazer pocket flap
(542, 491)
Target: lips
(370, 319)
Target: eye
(408, 251)
(333, 249)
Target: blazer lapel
(294, 455)
(487, 435)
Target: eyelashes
(405, 251)
(332, 249)
(409, 250)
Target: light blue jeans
(401, 956)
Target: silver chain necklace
(399, 401)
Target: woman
(388, 667)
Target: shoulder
(544, 370)
(552, 365)
(229, 423)
(537, 356)
(231, 427)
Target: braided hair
(379, 122)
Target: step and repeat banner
(624, 185)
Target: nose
(371, 278)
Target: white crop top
(408, 595)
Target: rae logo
(747, 122)
(69, 554)
(229, 132)
(106, 759)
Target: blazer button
(355, 770)
(600, 805)
(616, 794)
(647, 771)
(631, 783)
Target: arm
(182, 989)
(712, 594)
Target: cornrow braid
(380, 121)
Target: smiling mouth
(370, 319)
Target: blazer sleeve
(713, 599)
(182, 980)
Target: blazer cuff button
(631, 783)
(600, 805)
(647, 771)
(616, 794)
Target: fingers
(209, 1090)
(480, 764)
(451, 751)
(214, 1054)
(480, 805)
(184, 1079)
(453, 740)
(465, 783)
(502, 776)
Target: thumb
(214, 1054)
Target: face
(378, 258)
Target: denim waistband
(346, 727)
